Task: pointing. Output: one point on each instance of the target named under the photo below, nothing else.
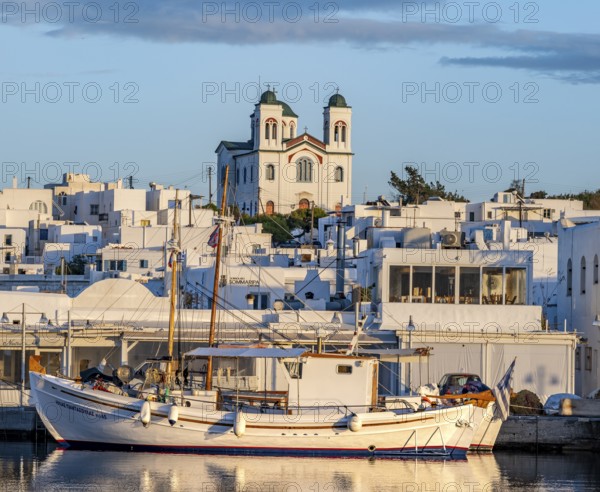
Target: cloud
(574, 58)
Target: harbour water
(42, 467)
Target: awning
(266, 353)
(393, 355)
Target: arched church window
(270, 172)
(339, 174)
(270, 208)
(304, 171)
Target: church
(279, 170)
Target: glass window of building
(516, 285)
(422, 283)
(492, 286)
(445, 283)
(399, 283)
(469, 285)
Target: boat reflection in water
(26, 467)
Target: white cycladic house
(280, 169)
(579, 296)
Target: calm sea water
(26, 466)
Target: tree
(276, 225)
(300, 219)
(74, 267)
(414, 189)
(518, 186)
(538, 194)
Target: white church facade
(279, 170)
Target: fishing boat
(316, 404)
(258, 399)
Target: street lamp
(23, 313)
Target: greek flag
(213, 240)
(502, 392)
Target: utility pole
(312, 224)
(210, 193)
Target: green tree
(414, 189)
(300, 219)
(74, 267)
(276, 225)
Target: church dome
(337, 101)
(287, 111)
(268, 97)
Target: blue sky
(185, 76)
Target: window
(578, 359)
(104, 218)
(271, 129)
(94, 209)
(343, 369)
(547, 213)
(8, 239)
(304, 171)
(237, 176)
(596, 269)
(569, 277)
(62, 198)
(399, 283)
(582, 277)
(292, 130)
(339, 174)
(143, 263)
(489, 214)
(115, 265)
(7, 257)
(421, 283)
(261, 301)
(270, 172)
(43, 234)
(339, 132)
(588, 358)
(145, 223)
(516, 286)
(295, 369)
(469, 285)
(492, 286)
(270, 209)
(445, 283)
(39, 206)
(245, 175)
(252, 175)
(471, 216)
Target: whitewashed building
(579, 296)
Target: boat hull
(79, 417)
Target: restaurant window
(422, 284)
(492, 286)
(445, 283)
(516, 285)
(469, 286)
(399, 283)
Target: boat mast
(173, 295)
(213, 308)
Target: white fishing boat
(330, 407)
